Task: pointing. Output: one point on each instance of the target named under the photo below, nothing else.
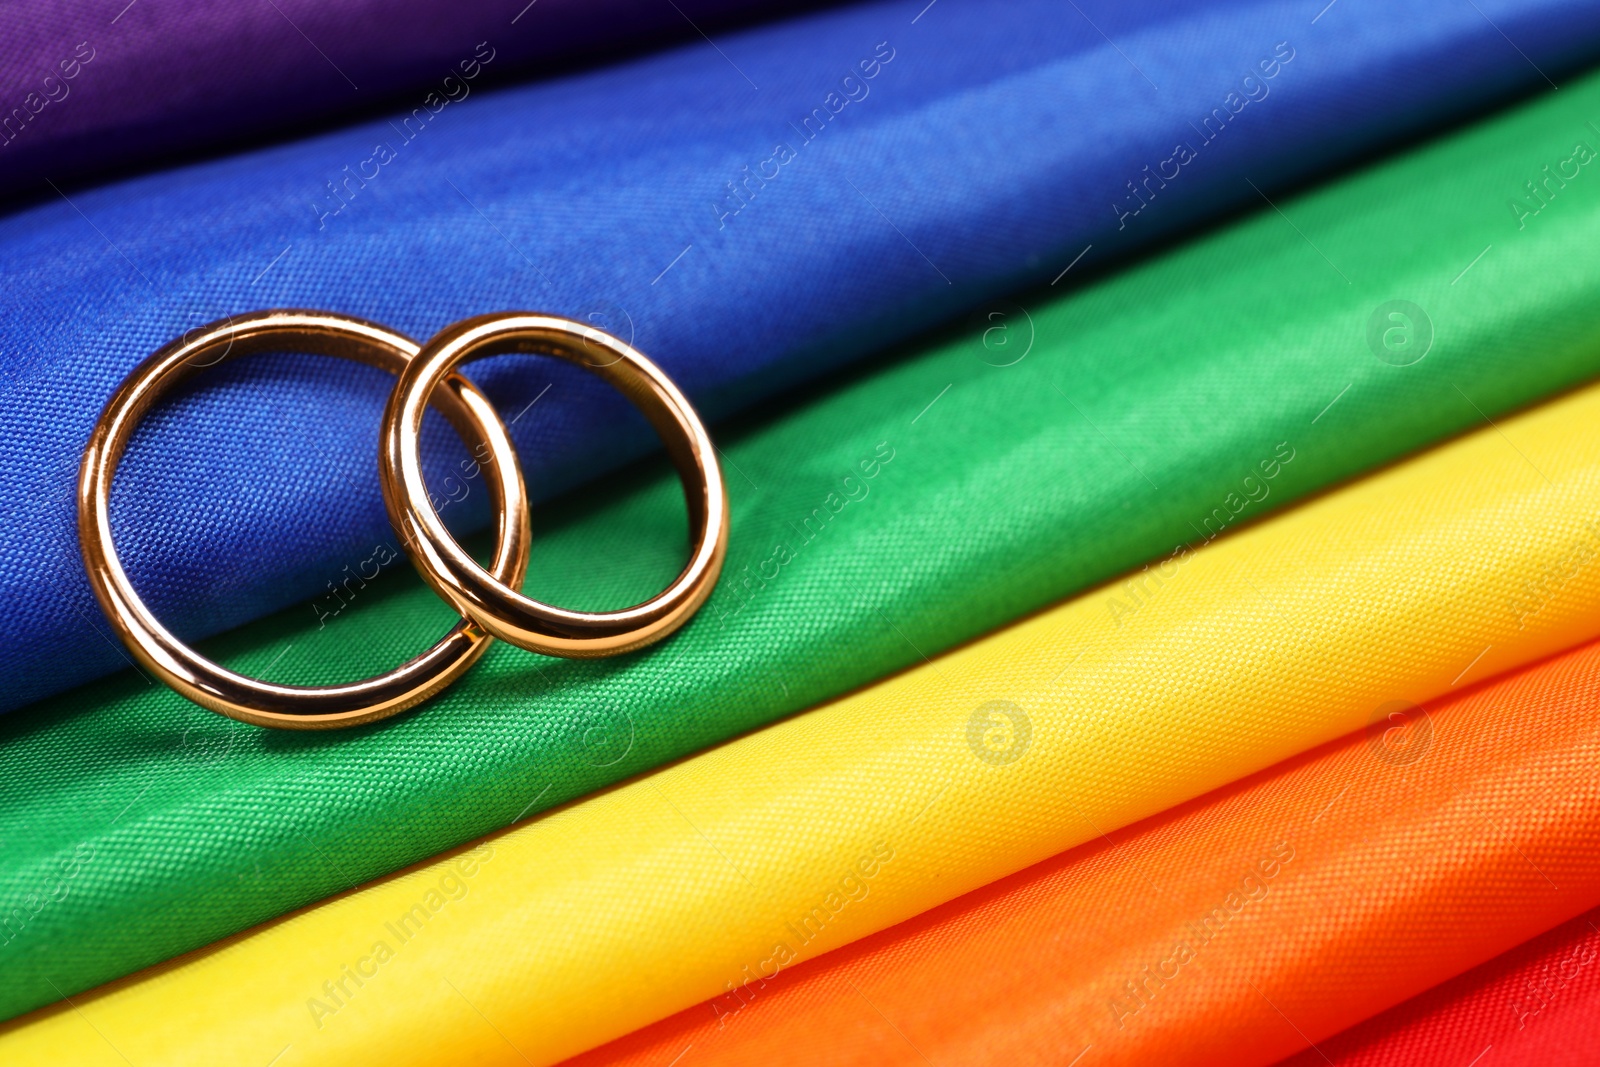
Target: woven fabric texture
(872, 525)
(1537, 1005)
(622, 909)
(1241, 925)
(89, 89)
(917, 161)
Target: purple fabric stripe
(98, 87)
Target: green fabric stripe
(136, 826)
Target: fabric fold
(622, 909)
(750, 215)
(1537, 1005)
(873, 524)
(1243, 925)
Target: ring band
(488, 599)
(199, 679)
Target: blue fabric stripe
(995, 142)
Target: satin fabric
(632, 905)
(910, 508)
(98, 89)
(751, 218)
(1245, 924)
(1537, 1005)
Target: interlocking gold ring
(487, 598)
(208, 684)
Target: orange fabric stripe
(1237, 928)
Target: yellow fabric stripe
(610, 913)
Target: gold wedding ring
(488, 599)
(213, 686)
